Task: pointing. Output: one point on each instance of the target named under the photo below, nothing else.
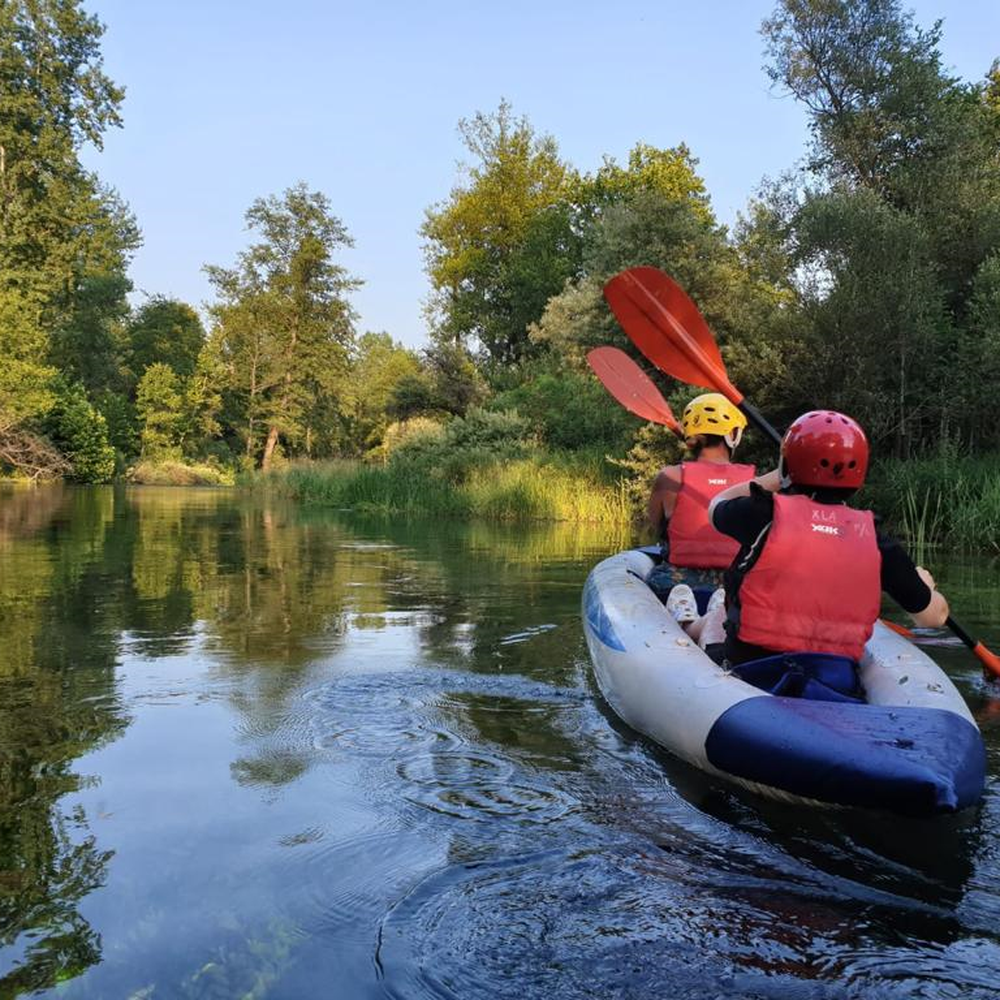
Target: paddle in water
(659, 317)
(632, 387)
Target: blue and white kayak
(910, 746)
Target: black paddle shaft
(757, 418)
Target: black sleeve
(744, 518)
(899, 577)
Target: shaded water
(254, 751)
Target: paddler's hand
(925, 575)
(770, 481)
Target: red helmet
(826, 449)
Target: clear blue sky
(230, 100)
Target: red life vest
(693, 541)
(816, 585)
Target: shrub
(414, 434)
(171, 473)
(81, 434)
(567, 409)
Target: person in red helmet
(810, 570)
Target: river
(249, 750)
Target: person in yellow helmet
(694, 553)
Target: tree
(54, 96)
(503, 242)
(88, 345)
(896, 214)
(81, 433)
(380, 365)
(671, 173)
(201, 402)
(159, 402)
(64, 239)
(168, 331)
(284, 327)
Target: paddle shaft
(990, 661)
(757, 418)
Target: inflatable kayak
(892, 734)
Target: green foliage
(54, 97)
(65, 240)
(165, 331)
(652, 448)
(948, 498)
(159, 403)
(880, 320)
(171, 472)
(503, 433)
(284, 329)
(569, 410)
(479, 439)
(895, 221)
(414, 433)
(670, 173)
(411, 396)
(123, 423)
(81, 433)
(379, 367)
(88, 344)
(201, 402)
(538, 487)
(503, 242)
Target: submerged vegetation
(866, 279)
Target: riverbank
(179, 474)
(945, 500)
(551, 488)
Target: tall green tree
(167, 331)
(160, 405)
(670, 173)
(503, 242)
(64, 239)
(284, 326)
(897, 212)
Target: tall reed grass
(536, 488)
(947, 499)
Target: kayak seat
(811, 676)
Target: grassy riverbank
(551, 488)
(946, 500)
(176, 473)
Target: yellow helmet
(712, 413)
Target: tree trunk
(272, 440)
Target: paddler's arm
(937, 611)
(663, 498)
(770, 481)
(911, 587)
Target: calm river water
(263, 752)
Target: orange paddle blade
(631, 386)
(990, 661)
(663, 322)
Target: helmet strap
(786, 479)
